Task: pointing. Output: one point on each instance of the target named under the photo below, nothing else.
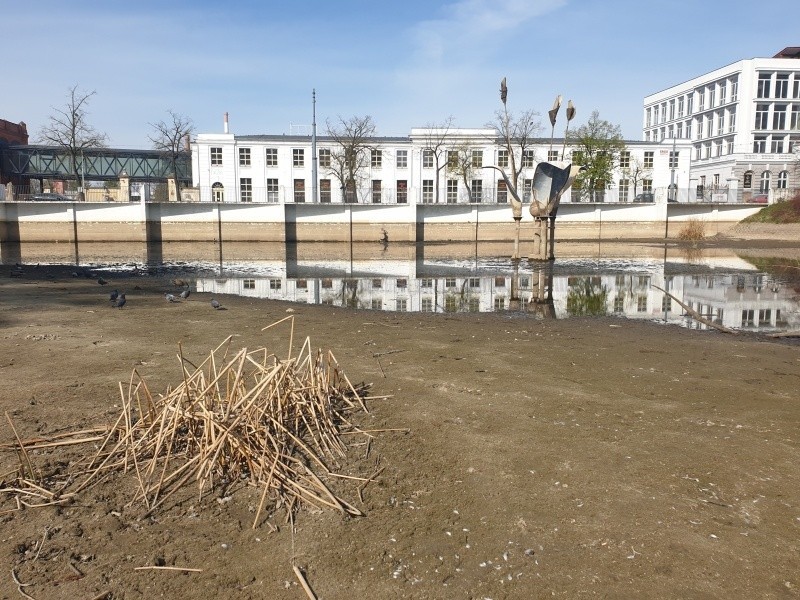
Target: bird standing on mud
(102, 281)
(121, 301)
(185, 293)
(170, 298)
(214, 304)
(113, 295)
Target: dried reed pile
(252, 417)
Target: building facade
(427, 167)
(742, 122)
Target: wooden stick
(21, 585)
(302, 579)
(154, 568)
(784, 334)
(377, 354)
(697, 316)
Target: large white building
(405, 170)
(743, 123)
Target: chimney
(226, 123)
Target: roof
(789, 52)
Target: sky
(406, 64)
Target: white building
(405, 170)
(743, 122)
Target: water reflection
(584, 281)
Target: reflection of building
(743, 121)
(738, 299)
(406, 170)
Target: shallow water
(585, 280)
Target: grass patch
(693, 230)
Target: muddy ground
(568, 458)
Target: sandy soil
(570, 458)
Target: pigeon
(102, 281)
(185, 293)
(113, 296)
(120, 301)
(214, 304)
(170, 298)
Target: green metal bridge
(19, 164)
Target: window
(712, 92)
(271, 159)
(502, 158)
(216, 156)
(783, 179)
(425, 283)
(450, 304)
(734, 89)
(762, 112)
(732, 120)
(474, 282)
(249, 284)
(217, 192)
(402, 191)
(689, 129)
(476, 193)
(298, 157)
(624, 185)
(502, 191)
(647, 119)
(402, 159)
(426, 305)
(275, 284)
(376, 158)
(299, 190)
(720, 122)
(782, 85)
(452, 159)
(723, 90)
(401, 283)
(760, 144)
(474, 305)
(401, 304)
(764, 84)
(666, 303)
(427, 191)
(671, 110)
(748, 180)
(452, 191)
(376, 304)
(272, 190)
(729, 146)
(552, 156)
(619, 303)
(624, 159)
(794, 119)
(327, 284)
(246, 189)
(680, 106)
(477, 158)
(450, 282)
(577, 157)
(648, 159)
(679, 132)
(673, 159)
(325, 190)
(527, 159)
(689, 104)
(647, 185)
(641, 304)
(325, 158)
(777, 145)
(765, 177)
(427, 159)
(701, 99)
(377, 284)
(779, 116)
(500, 303)
(376, 191)
(244, 157)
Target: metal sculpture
(550, 181)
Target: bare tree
(171, 138)
(460, 163)
(69, 129)
(517, 136)
(350, 159)
(635, 172)
(437, 143)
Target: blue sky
(407, 64)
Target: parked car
(758, 199)
(49, 198)
(644, 197)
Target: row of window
(781, 114)
(717, 94)
(453, 157)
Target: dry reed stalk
(21, 446)
(303, 583)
